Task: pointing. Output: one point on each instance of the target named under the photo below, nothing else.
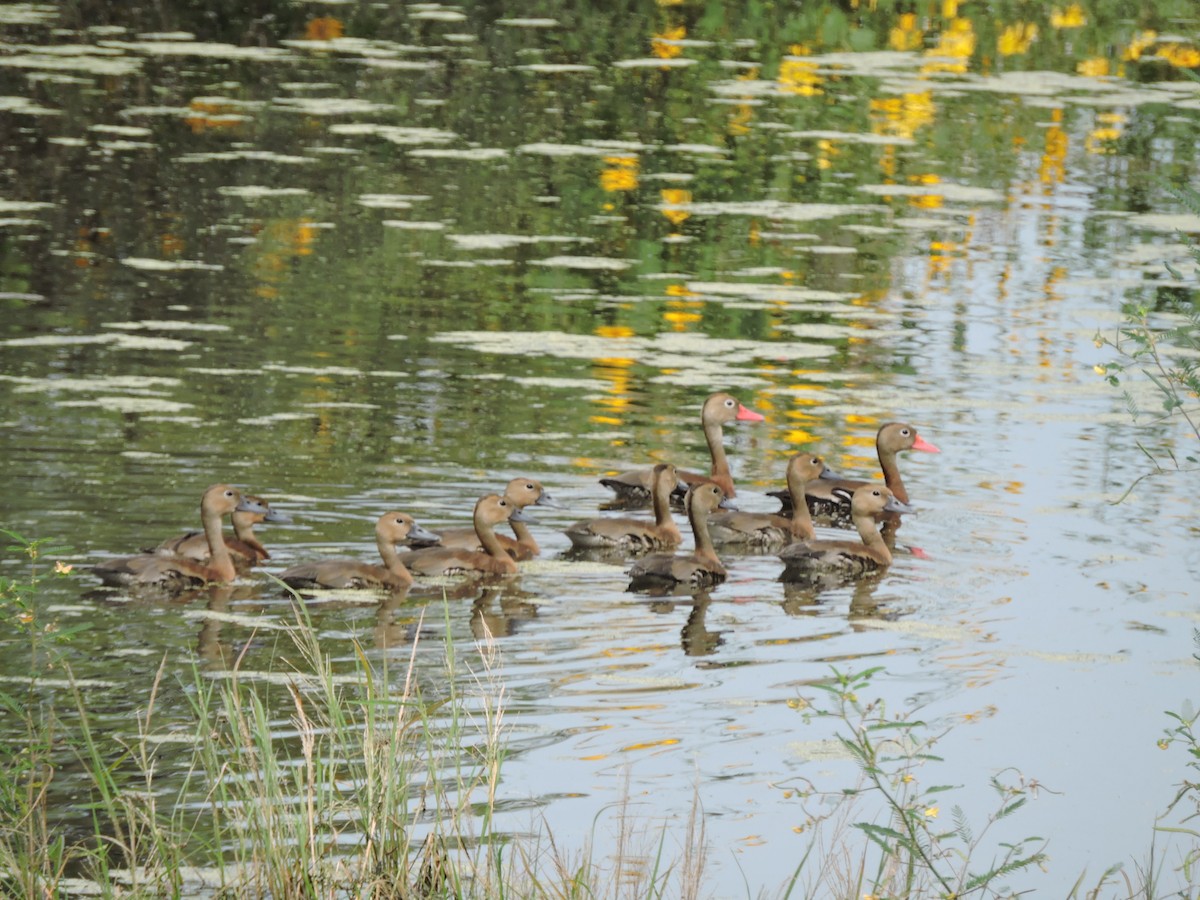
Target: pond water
(357, 258)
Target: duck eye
(904, 431)
(876, 494)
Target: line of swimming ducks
(813, 489)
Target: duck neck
(891, 473)
(391, 559)
(220, 563)
(244, 531)
(662, 505)
(802, 523)
(491, 545)
(715, 436)
(872, 539)
(704, 551)
(524, 538)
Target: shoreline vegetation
(304, 782)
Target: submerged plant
(909, 849)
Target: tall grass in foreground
(305, 782)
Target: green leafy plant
(1184, 733)
(1167, 354)
(909, 852)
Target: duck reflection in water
(500, 611)
(820, 599)
(214, 650)
(695, 636)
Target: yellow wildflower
(957, 43)
(1139, 44)
(932, 812)
(1180, 56)
(1095, 67)
(62, 568)
(1016, 38)
(906, 35)
(1071, 17)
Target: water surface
(395, 268)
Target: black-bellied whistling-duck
(392, 528)
(766, 529)
(891, 439)
(491, 510)
(624, 533)
(175, 573)
(719, 410)
(245, 548)
(520, 492)
(818, 560)
(698, 569)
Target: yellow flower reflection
(673, 202)
(1054, 157)
(621, 173)
(798, 76)
(1102, 139)
(204, 115)
(1015, 39)
(905, 35)
(901, 116)
(665, 45)
(1071, 17)
(325, 28)
(680, 290)
(955, 46)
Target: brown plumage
(491, 510)
(175, 573)
(891, 439)
(719, 410)
(629, 534)
(698, 569)
(392, 528)
(766, 529)
(244, 547)
(817, 561)
(520, 492)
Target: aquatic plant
(1168, 355)
(906, 850)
